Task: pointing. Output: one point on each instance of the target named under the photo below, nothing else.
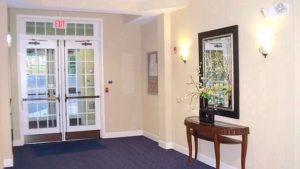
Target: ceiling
(133, 7)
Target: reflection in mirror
(218, 70)
(218, 61)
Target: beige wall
(268, 93)
(157, 110)
(266, 85)
(122, 65)
(3, 12)
(297, 83)
(5, 132)
(149, 35)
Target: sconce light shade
(263, 51)
(183, 59)
(8, 39)
(265, 36)
(184, 53)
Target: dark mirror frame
(219, 32)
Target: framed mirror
(219, 69)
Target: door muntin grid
(81, 72)
(40, 89)
(40, 98)
(47, 28)
(82, 96)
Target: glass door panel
(81, 112)
(43, 83)
(42, 114)
(40, 98)
(82, 98)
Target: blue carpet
(66, 147)
(120, 153)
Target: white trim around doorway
(20, 19)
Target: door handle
(52, 98)
(36, 41)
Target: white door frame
(98, 36)
(48, 44)
(77, 45)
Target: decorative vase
(205, 103)
(206, 114)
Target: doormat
(56, 148)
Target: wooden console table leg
(217, 150)
(196, 146)
(189, 139)
(244, 150)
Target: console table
(216, 133)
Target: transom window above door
(71, 29)
(59, 28)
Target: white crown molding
(133, 7)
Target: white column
(164, 81)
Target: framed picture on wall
(152, 73)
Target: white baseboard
(165, 145)
(8, 163)
(181, 149)
(184, 150)
(203, 158)
(151, 136)
(122, 134)
(17, 143)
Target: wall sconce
(265, 41)
(8, 39)
(265, 35)
(184, 53)
(263, 51)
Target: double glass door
(60, 90)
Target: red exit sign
(59, 24)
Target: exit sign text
(59, 24)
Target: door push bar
(40, 99)
(81, 97)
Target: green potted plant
(203, 94)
